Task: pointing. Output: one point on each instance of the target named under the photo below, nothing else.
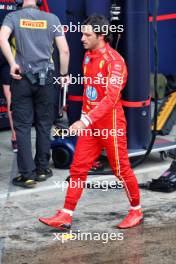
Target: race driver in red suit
(102, 109)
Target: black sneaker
(43, 174)
(22, 182)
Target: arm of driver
(117, 77)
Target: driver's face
(89, 38)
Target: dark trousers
(32, 104)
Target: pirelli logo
(36, 24)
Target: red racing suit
(105, 75)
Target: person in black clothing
(32, 86)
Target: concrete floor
(25, 240)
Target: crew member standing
(32, 85)
(102, 109)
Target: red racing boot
(60, 220)
(133, 218)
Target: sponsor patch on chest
(91, 93)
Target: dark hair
(98, 23)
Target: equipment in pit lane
(62, 146)
(165, 183)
